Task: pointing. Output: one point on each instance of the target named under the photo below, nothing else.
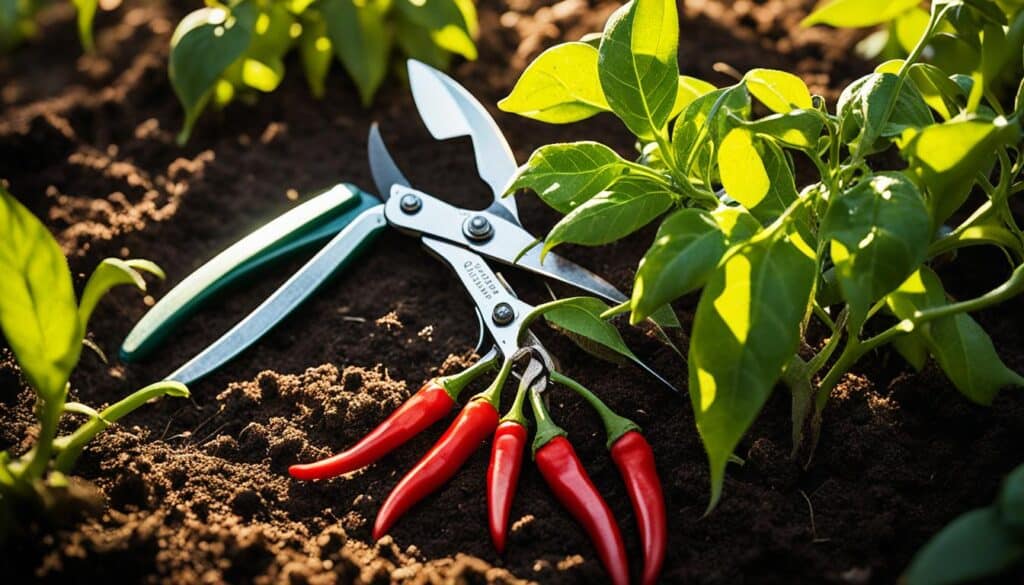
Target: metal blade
(286, 298)
(385, 172)
(449, 110)
(446, 222)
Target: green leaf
(783, 185)
(733, 106)
(566, 175)
(973, 546)
(798, 129)
(690, 88)
(445, 21)
(910, 27)
(264, 76)
(857, 13)
(1011, 500)
(38, 312)
(86, 14)
(961, 347)
(560, 86)
(639, 69)
(879, 231)
(415, 42)
(945, 158)
(110, 273)
(937, 90)
(272, 34)
(316, 51)
(743, 173)
(913, 348)
(581, 316)
(204, 45)
(746, 329)
(622, 208)
(779, 91)
(361, 41)
(685, 252)
(863, 106)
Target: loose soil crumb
(197, 490)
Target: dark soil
(197, 490)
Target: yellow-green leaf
(561, 85)
(38, 309)
(779, 91)
(746, 329)
(741, 168)
(857, 13)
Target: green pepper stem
(614, 425)
(493, 392)
(455, 383)
(546, 427)
(515, 414)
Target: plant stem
(546, 427)
(71, 446)
(39, 457)
(515, 414)
(493, 392)
(455, 383)
(614, 425)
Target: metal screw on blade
(410, 203)
(478, 228)
(503, 314)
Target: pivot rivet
(503, 314)
(478, 228)
(410, 203)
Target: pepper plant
(851, 253)
(224, 49)
(45, 325)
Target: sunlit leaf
(879, 232)
(624, 207)
(685, 251)
(566, 175)
(857, 13)
(746, 329)
(561, 85)
(779, 91)
(38, 309)
(639, 70)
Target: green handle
(313, 222)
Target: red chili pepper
(565, 475)
(572, 486)
(503, 476)
(423, 409)
(635, 460)
(473, 425)
(429, 405)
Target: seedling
(45, 326)
(850, 254)
(17, 22)
(238, 47)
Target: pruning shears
(349, 219)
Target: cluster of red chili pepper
(556, 459)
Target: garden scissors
(348, 219)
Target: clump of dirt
(197, 490)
